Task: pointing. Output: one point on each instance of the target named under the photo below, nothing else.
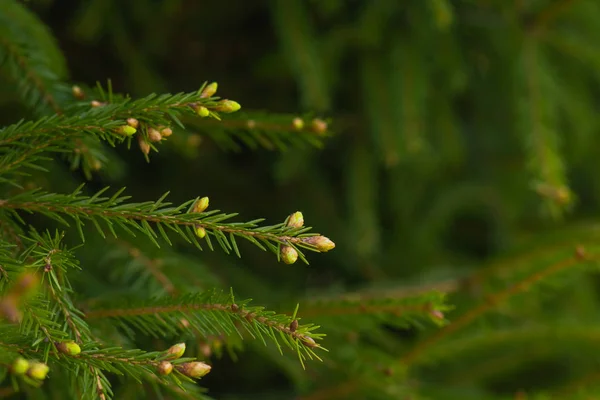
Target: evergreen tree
(447, 147)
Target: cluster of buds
(154, 135)
(194, 369)
(288, 254)
(33, 369)
(199, 206)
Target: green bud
(195, 369)
(176, 351)
(209, 90)
(201, 205)
(202, 111)
(322, 243)
(20, 366)
(298, 123)
(289, 255)
(77, 92)
(126, 130)
(38, 371)
(200, 232)
(69, 348)
(296, 220)
(165, 368)
(227, 106)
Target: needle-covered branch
(108, 213)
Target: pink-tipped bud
(296, 220)
(209, 90)
(175, 351)
(289, 255)
(321, 243)
(166, 132)
(154, 135)
(165, 368)
(134, 123)
(319, 126)
(195, 369)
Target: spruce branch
(269, 131)
(212, 313)
(136, 217)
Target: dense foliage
(448, 148)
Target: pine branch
(131, 217)
(212, 313)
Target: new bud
(20, 366)
(154, 135)
(202, 111)
(175, 351)
(126, 130)
(195, 369)
(227, 106)
(289, 255)
(200, 232)
(165, 368)
(298, 123)
(166, 132)
(77, 92)
(69, 348)
(293, 325)
(309, 342)
(322, 243)
(319, 126)
(132, 122)
(201, 205)
(96, 103)
(209, 90)
(38, 371)
(296, 220)
(144, 146)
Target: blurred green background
(462, 131)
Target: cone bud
(209, 90)
(227, 106)
(319, 126)
(77, 92)
(298, 123)
(322, 243)
(309, 342)
(132, 122)
(38, 371)
(20, 366)
(294, 325)
(154, 135)
(296, 220)
(165, 368)
(144, 146)
(69, 348)
(200, 232)
(289, 255)
(202, 111)
(126, 130)
(166, 132)
(175, 351)
(201, 205)
(195, 369)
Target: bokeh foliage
(463, 159)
